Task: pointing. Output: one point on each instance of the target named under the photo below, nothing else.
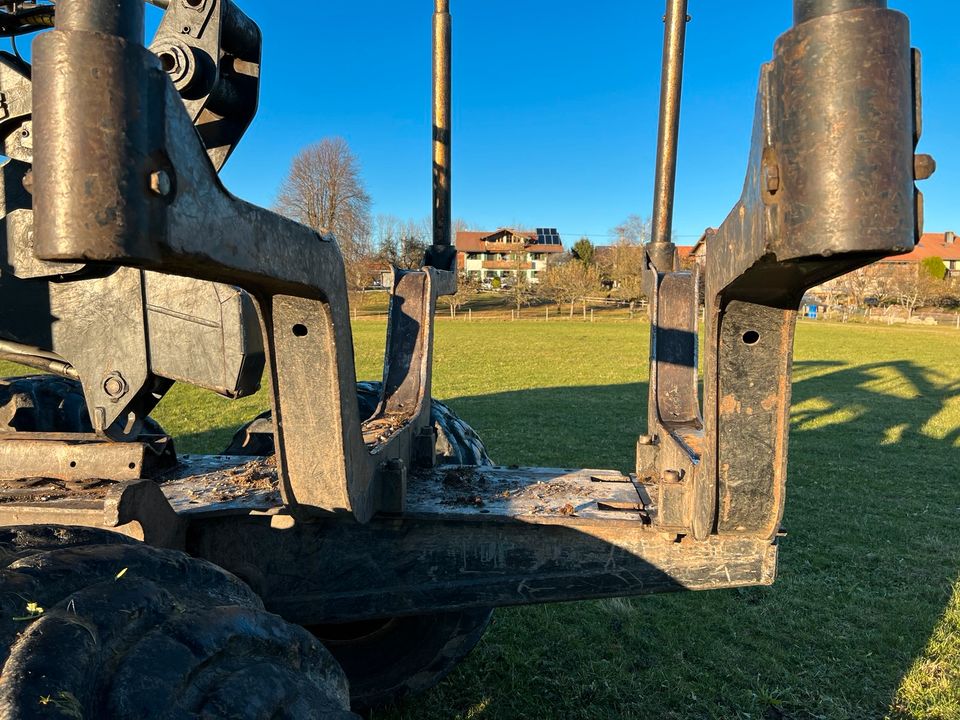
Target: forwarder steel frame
(363, 525)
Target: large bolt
(923, 166)
(672, 476)
(179, 61)
(160, 183)
(771, 177)
(26, 135)
(115, 386)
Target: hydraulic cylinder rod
(661, 249)
(441, 123)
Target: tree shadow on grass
(873, 552)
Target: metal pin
(661, 249)
(442, 24)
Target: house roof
(700, 247)
(945, 246)
(475, 240)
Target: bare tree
(413, 243)
(522, 291)
(401, 243)
(386, 231)
(466, 289)
(856, 284)
(459, 225)
(622, 264)
(569, 282)
(325, 192)
(635, 230)
(913, 288)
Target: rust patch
(729, 405)
(769, 402)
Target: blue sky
(555, 105)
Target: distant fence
(893, 315)
(594, 309)
(606, 309)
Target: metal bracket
(211, 52)
(825, 139)
(79, 457)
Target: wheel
(457, 442)
(49, 403)
(95, 625)
(387, 659)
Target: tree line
(908, 286)
(324, 190)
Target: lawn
(864, 619)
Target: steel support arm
(125, 180)
(829, 188)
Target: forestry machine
(351, 545)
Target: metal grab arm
(144, 193)
(829, 188)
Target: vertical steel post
(661, 249)
(91, 171)
(804, 10)
(124, 19)
(441, 123)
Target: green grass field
(864, 619)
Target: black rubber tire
(132, 632)
(49, 403)
(387, 659)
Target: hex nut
(771, 177)
(160, 183)
(115, 386)
(923, 166)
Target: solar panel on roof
(548, 236)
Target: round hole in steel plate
(751, 337)
(168, 62)
(300, 330)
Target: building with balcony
(943, 246)
(504, 253)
